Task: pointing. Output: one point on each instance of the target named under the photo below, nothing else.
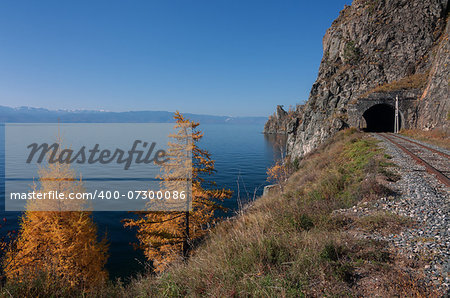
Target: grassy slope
(291, 244)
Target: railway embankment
(422, 197)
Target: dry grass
(289, 244)
(438, 137)
(415, 81)
(383, 222)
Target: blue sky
(219, 57)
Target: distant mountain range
(30, 115)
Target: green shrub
(352, 53)
(331, 252)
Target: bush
(352, 53)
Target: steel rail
(429, 168)
(423, 146)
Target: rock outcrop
(375, 51)
(277, 123)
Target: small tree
(168, 236)
(282, 169)
(279, 173)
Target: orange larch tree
(167, 236)
(57, 246)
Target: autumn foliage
(58, 246)
(167, 237)
(280, 172)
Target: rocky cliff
(277, 122)
(374, 52)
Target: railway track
(435, 162)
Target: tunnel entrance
(380, 118)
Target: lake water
(242, 154)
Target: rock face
(277, 123)
(434, 105)
(375, 51)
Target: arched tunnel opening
(380, 118)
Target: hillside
(375, 51)
(303, 241)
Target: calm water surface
(242, 154)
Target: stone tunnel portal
(380, 118)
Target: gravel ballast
(426, 201)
